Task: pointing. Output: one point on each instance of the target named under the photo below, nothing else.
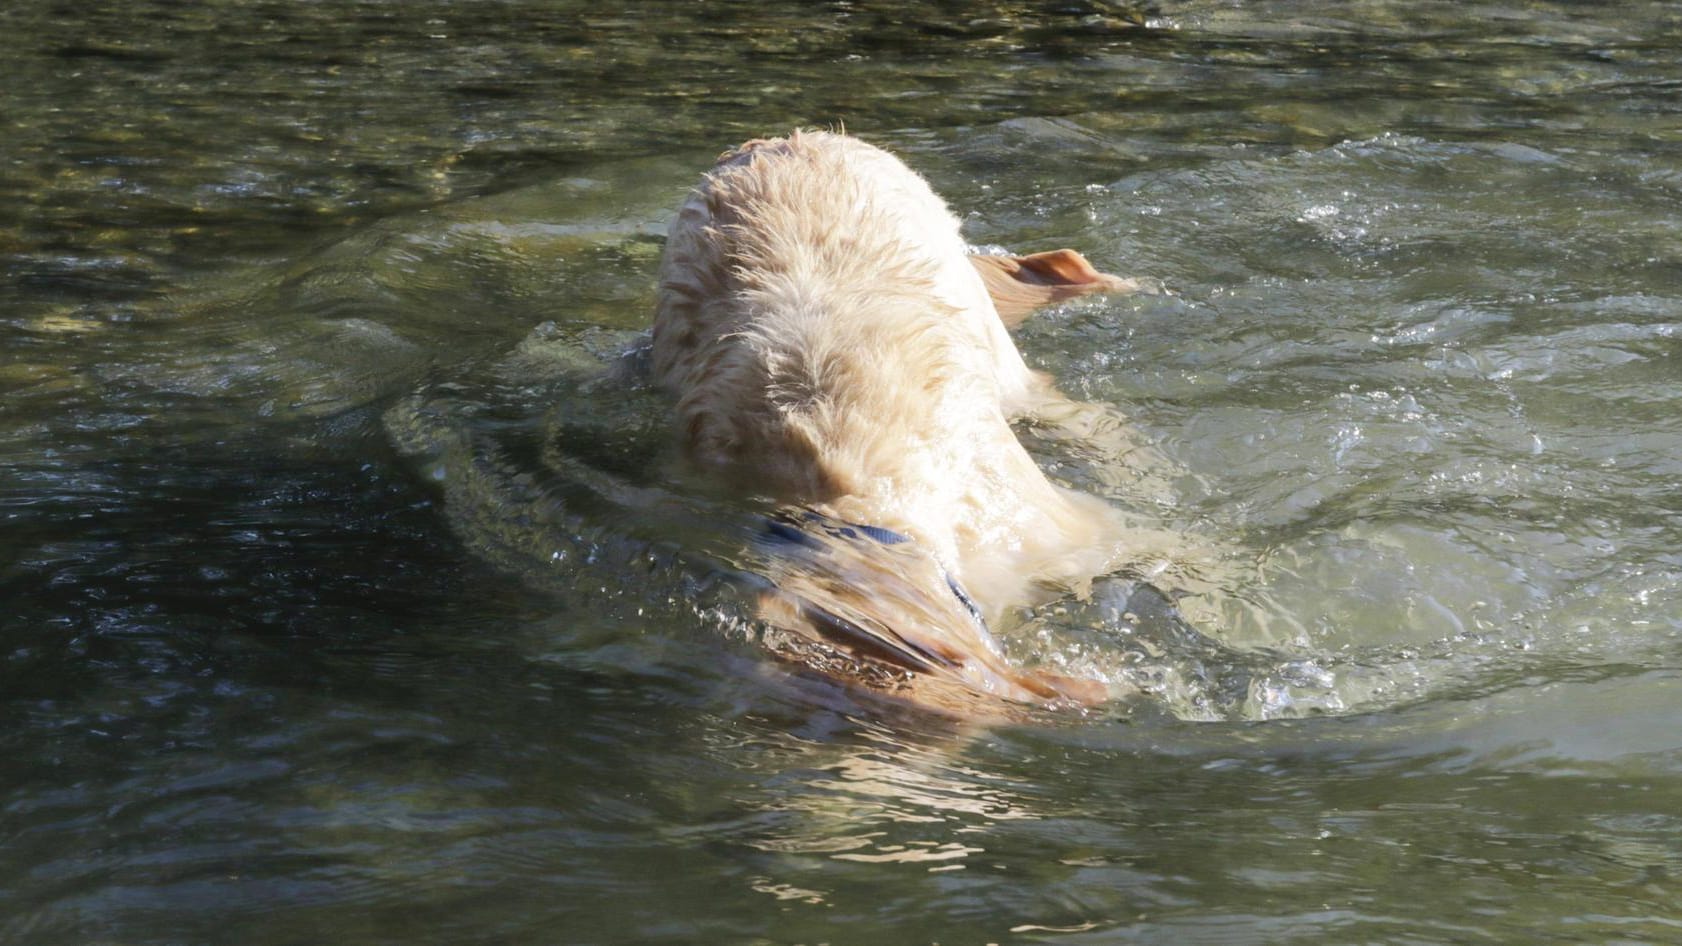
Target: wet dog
(832, 345)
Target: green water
(331, 614)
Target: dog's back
(831, 346)
(806, 284)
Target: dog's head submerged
(871, 596)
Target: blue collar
(785, 526)
(806, 528)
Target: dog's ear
(1021, 284)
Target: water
(349, 598)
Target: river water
(333, 615)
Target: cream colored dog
(832, 345)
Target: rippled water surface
(349, 597)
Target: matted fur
(831, 345)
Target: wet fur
(831, 344)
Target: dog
(830, 343)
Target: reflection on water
(860, 801)
(350, 596)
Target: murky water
(348, 598)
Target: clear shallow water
(333, 615)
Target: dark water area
(334, 612)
